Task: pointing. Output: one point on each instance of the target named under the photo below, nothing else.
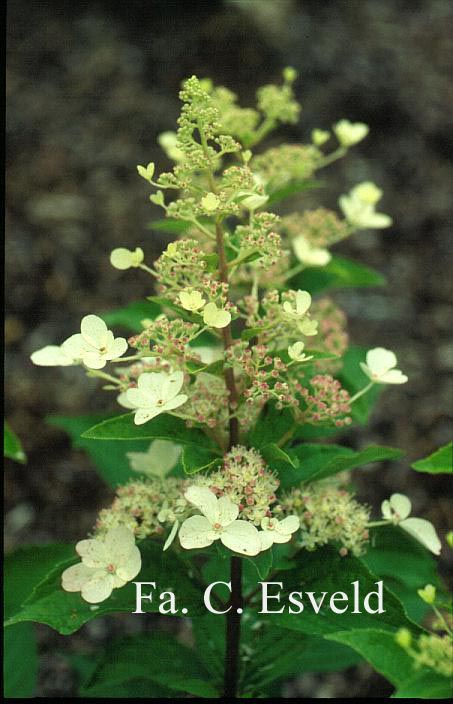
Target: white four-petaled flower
(299, 312)
(218, 522)
(191, 300)
(380, 367)
(275, 531)
(296, 352)
(95, 345)
(122, 258)
(359, 207)
(108, 563)
(311, 256)
(157, 461)
(350, 133)
(216, 317)
(156, 393)
(398, 509)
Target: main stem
(233, 618)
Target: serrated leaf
(66, 612)
(197, 459)
(338, 273)
(130, 316)
(163, 427)
(157, 657)
(12, 447)
(440, 462)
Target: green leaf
(12, 447)
(66, 612)
(338, 273)
(196, 459)
(262, 563)
(292, 189)
(182, 312)
(271, 426)
(20, 663)
(405, 566)
(353, 379)
(109, 457)
(158, 657)
(324, 570)
(440, 462)
(277, 458)
(169, 225)
(379, 648)
(313, 461)
(164, 427)
(425, 685)
(130, 316)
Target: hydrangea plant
(238, 374)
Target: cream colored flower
(157, 461)
(253, 201)
(359, 207)
(156, 393)
(210, 202)
(108, 563)
(350, 133)
(296, 352)
(218, 522)
(122, 258)
(147, 172)
(319, 137)
(397, 509)
(299, 313)
(380, 365)
(191, 300)
(169, 143)
(311, 256)
(95, 345)
(215, 317)
(275, 531)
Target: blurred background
(90, 85)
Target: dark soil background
(89, 87)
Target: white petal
(172, 385)
(118, 542)
(174, 403)
(289, 525)
(386, 510)
(131, 566)
(93, 330)
(143, 415)
(98, 588)
(205, 500)
(51, 356)
(366, 370)
(195, 532)
(74, 577)
(93, 360)
(393, 376)
(303, 302)
(242, 537)
(380, 360)
(124, 401)
(423, 531)
(92, 552)
(281, 537)
(379, 220)
(151, 383)
(266, 539)
(117, 348)
(401, 505)
(171, 536)
(121, 258)
(227, 511)
(137, 398)
(74, 346)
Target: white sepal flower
(95, 345)
(319, 137)
(191, 300)
(275, 531)
(296, 352)
(252, 201)
(359, 207)
(303, 303)
(156, 393)
(218, 522)
(52, 356)
(108, 562)
(210, 202)
(350, 133)
(169, 143)
(311, 256)
(147, 172)
(216, 317)
(397, 509)
(160, 457)
(122, 258)
(171, 535)
(380, 367)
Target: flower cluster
(332, 335)
(280, 165)
(325, 401)
(328, 513)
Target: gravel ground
(89, 86)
